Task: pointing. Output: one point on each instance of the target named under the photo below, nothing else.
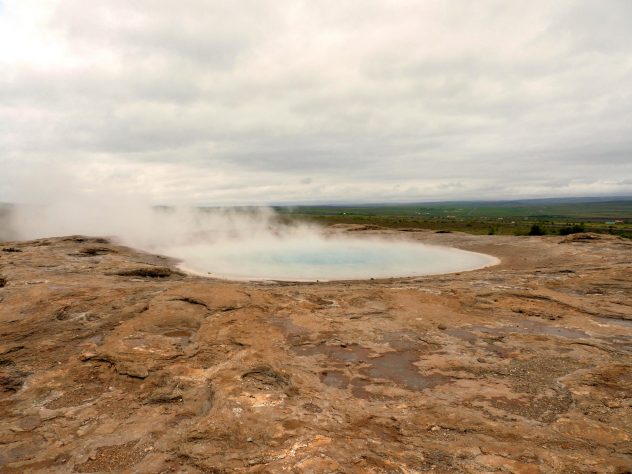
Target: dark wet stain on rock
(93, 251)
(397, 366)
(191, 300)
(148, 272)
(400, 368)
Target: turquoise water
(310, 259)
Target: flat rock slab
(113, 360)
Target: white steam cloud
(245, 243)
(54, 202)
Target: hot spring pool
(311, 259)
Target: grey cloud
(371, 100)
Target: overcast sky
(234, 102)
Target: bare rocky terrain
(112, 360)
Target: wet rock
(148, 272)
(288, 378)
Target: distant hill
(585, 208)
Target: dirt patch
(114, 458)
(540, 396)
(76, 397)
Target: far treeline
(529, 217)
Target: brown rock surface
(111, 360)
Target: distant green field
(501, 217)
(602, 210)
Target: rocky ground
(113, 361)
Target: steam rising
(244, 243)
(146, 227)
(54, 202)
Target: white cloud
(239, 102)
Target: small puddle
(397, 366)
(400, 368)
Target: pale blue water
(310, 259)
